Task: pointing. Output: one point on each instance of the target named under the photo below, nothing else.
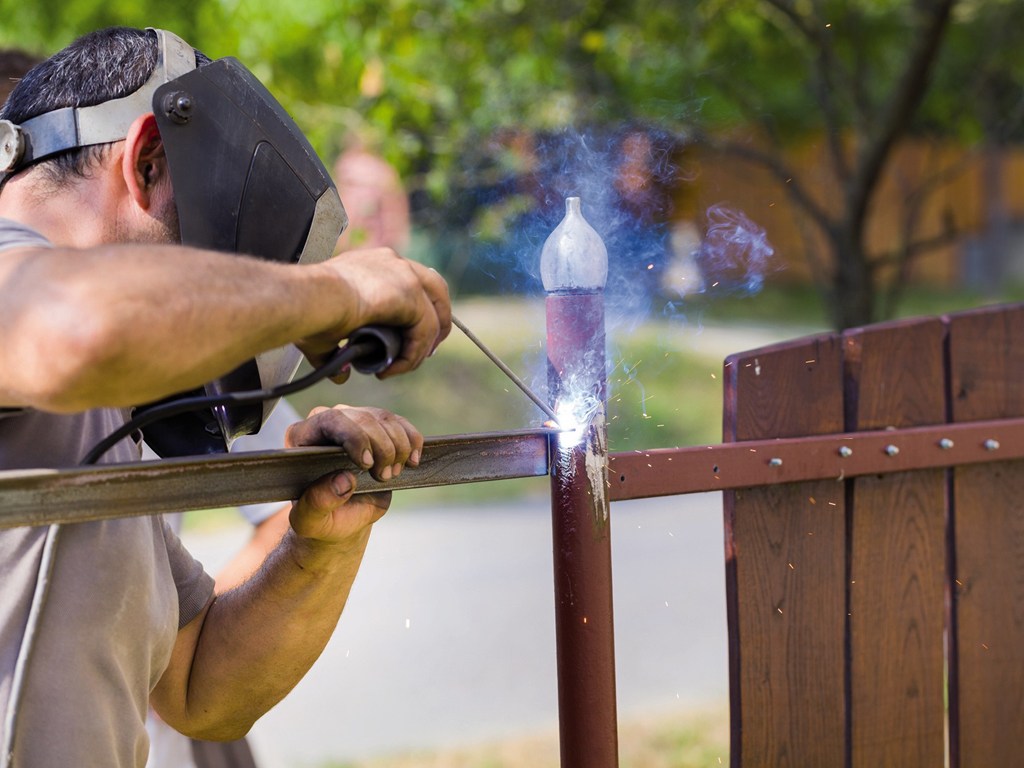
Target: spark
(574, 417)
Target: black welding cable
(369, 350)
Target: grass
(686, 739)
(661, 393)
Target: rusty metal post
(574, 267)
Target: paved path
(448, 637)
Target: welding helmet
(245, 180)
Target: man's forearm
(265, 537)
(258, 640)
(119, 325)
(250, 646)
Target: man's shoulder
(14, 234)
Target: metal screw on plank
(845, 451)
(945, 443)
(775, 462)
(891, 450)
(991, 445)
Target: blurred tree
(864, 75)
(463, 92)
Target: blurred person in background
(374, 197)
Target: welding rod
(505, 369)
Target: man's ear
(144, 162)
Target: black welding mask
(245, 179)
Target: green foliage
(431, 77)
(976, 94)
(442, 87)
(425, 75)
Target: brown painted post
(574, 267)
(786, 566)
(897, 523)
(986, 349)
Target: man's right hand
(386, 289)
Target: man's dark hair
(100, 66)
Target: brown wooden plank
(897, 522)
(987, 664)
(785, 567)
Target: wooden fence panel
(897, 524)
(987, 663)
(785, 567)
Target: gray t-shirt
(117, 593)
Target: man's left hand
(376, 440)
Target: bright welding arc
(506, 370)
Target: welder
(166, 230)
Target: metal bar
(40, 497)
(582, 538)
(752, 463)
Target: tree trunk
(853, 294)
